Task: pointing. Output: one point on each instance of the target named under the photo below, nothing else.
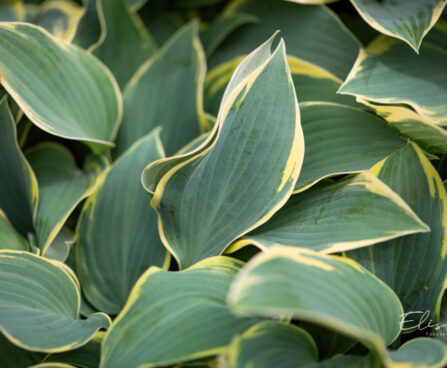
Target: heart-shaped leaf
(50, 79)
(46, 295)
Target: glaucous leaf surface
(429, 135)
(341, 140)
(312, 83)
(221, 27)
(272, 344)
(126, 42)
(280, 345)
(150, 319)
(388, 72)
(15, 357)
(356, 212)
(166, 91)
(413, 266)
(18, 184)
(88, 33)
(419, 353)
(331, 291)
(60, 247)
(58, 17)
(407, 20)
(46, 294)
(217, 204)
(323, 40)
(153, 173)
(62, 186)
(117, 234)
(87, 355)
(50, 79)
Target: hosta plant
(223, 183)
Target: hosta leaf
(117, 231)
(53, 365)
(333, 218)
(341, 140)
(219, 29)
(197, 3)
(389, 72)
(430, 136)
(135, 5)
(259, 138)
(166, 91)
(312, 83)
(331, 291)
(408, 20)
(272, 344)
(441, 333)
(323, 40)
(12, 11)
(437, 35)
(59, 249)
(312, 2)
(127, 44)
(85, 356)
(12, 356)
(61, 187)
(58, 17)
(88, 34)
(280, 345)
(9, 237)
(150, 319)
(154, 172)
(45, 294)
(419, 353)
(85, 95)
(413, 266)
(18, 186)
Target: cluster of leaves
(180, 185)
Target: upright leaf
(413, 266)
(117, 235)
(354, 213)
(62, 185)
(154, 172)
(50, 79)
(388, 72)
(9, 237)
(312, 83)
(245, 175)
(408, 20)
(45, 294)
(88, 34)
(331, 291)
(18, 185)
(127, 44)
(150, 319)
(166, 91)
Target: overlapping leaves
(294, 151)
